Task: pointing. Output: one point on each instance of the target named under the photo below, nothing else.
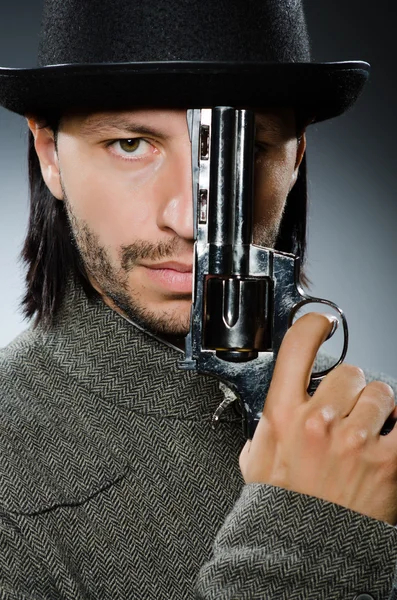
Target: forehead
(165, 121)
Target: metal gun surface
(244, 296)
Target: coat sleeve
(22, 575)
(279, 544)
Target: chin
(164, 325)
(175, 321)
(162, 318)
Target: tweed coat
(114, 485)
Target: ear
(44, 142)
(300, 151)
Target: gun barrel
(231, 191)
(221, 205)
(244, 189)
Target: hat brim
(319, 90)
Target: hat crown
(117, 31)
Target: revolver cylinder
(237, 321)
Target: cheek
(117, 203)
(273, 176)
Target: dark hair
(293, 227)
(52, 258)
(49, 250)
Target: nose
(176, 211)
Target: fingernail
(335, 324)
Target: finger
(375, 404)
(296, 357)
(389, 445)
(340, 390)
(390, 424)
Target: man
(114, 485)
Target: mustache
(139, 250)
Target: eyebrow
(107, 124)
(269, 126)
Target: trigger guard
(316, 378)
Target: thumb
(296, 358)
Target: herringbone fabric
(113, 484)
(280, 544)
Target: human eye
(131, 148)
(261, 147)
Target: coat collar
(118, 362)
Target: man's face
(125, 178)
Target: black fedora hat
(98, 54)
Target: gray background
(353, 212)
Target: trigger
(229, 398)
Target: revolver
(244, 296)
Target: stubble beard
(112, 281)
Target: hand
(328, 445)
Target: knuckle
(317, 423)
(355, 439)
(351, 371)
(380, 388)
(376, 404)
(379, 397)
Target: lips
(171, 277)
(172, 266)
